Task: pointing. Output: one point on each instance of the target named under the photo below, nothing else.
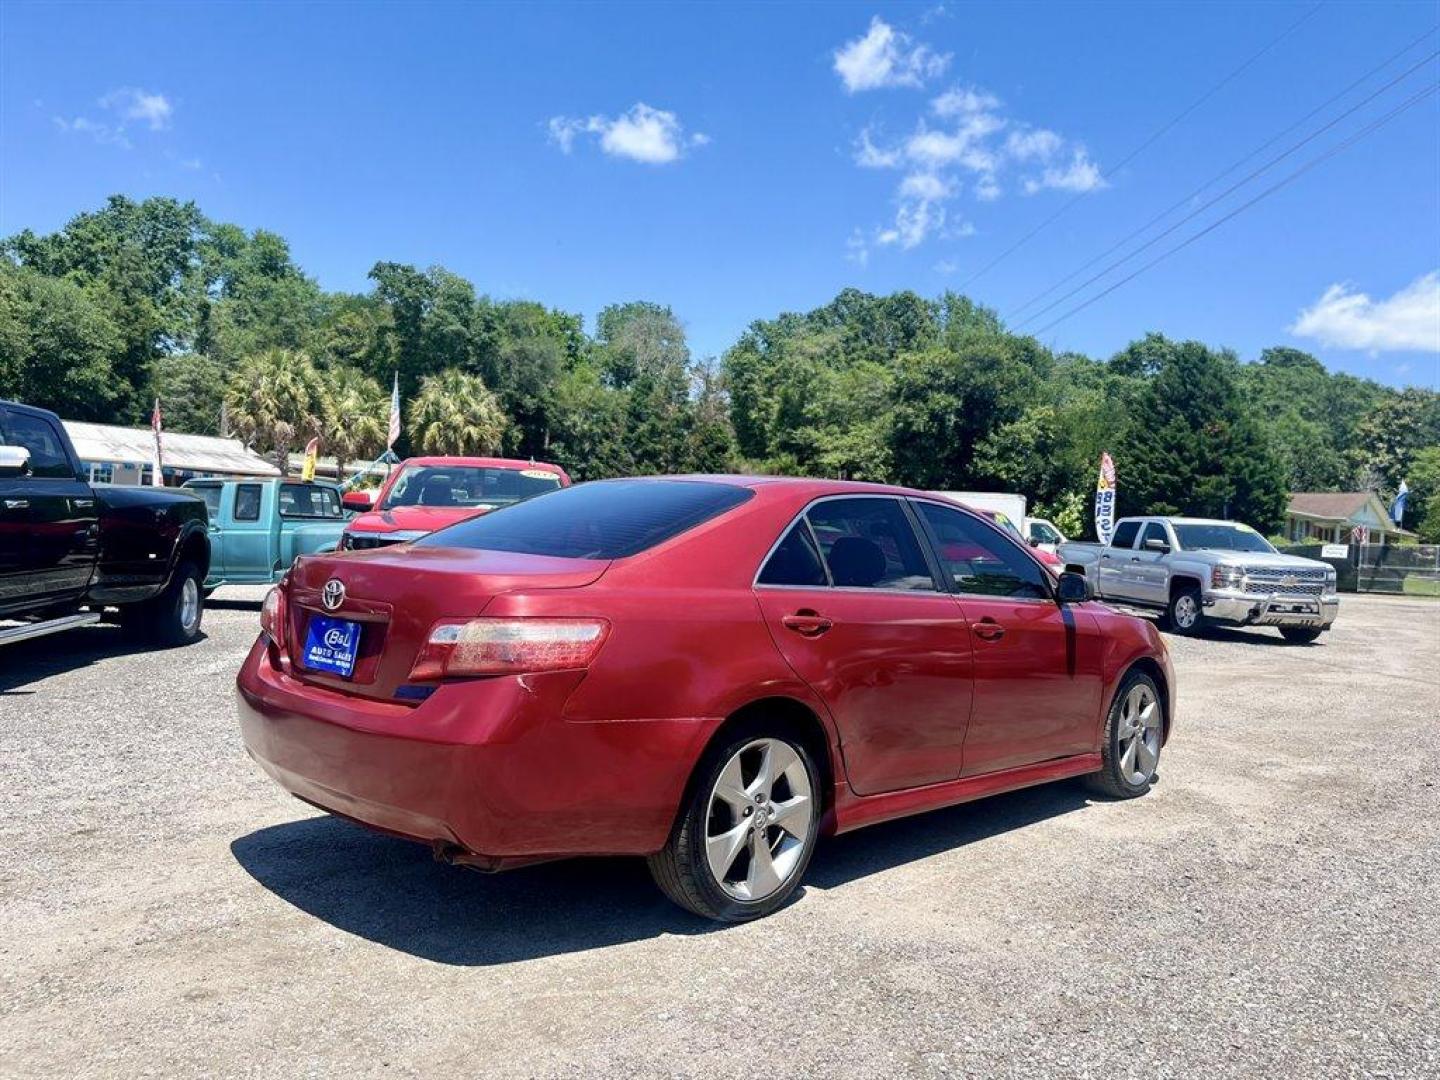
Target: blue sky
(735, 161)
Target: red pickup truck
(427, 493)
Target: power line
(1157, 134)
(1220, 175)
(1283, 182)
(1228, 191)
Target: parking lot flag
(394, 413)
(156, 478)
(1397, 508)
(1105, 499)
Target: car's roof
(1201, 521)
(809, 485)
(484, 462)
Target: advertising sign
(1105, 500)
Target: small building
(1340, 517)
(120, 455)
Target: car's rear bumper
(486, 768)
(1272, 609)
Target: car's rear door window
(247, 502)
(608, 519)
(795, 561)
(869, 543)
(981, 561)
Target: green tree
(1422, 507)
(56, 346)
(456, 413)
(590, 421)
(1390, 435)
(357, 415)
(276, 401)
(1193, 448)
(191, 389)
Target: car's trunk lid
(397, 594)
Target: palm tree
(455, 413)
(275, 401)
(356, 421)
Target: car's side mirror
(358, 501)
(1034, 541)
(1157, 545)
(14, 461)
(1072, 588)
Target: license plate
(332, 645)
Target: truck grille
(1301, 582)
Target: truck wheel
(1300, 635)
(1130, 750)
(1186, 613)
(746, 834)
(173, 617)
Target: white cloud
(961, 101)
(648, 135)
(926, 186)
(1080, 175)
(987, 189)
(885, 57)
(132, 103)
(1407, 321)
(1033, 144)
(870, 156)
(857, 250)
(104, 134)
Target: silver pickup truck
(1199, 570)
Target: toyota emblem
(333, 594)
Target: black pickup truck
(69, 551)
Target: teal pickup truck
(257, 527)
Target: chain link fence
(1401, 569)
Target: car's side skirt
(856, 811)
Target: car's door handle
(1134, 558)
(987, 629)
(17, 504)
(807, 623)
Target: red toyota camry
(707, 671)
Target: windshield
(1220, 538)
(606, 520)
(478, 487)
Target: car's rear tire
(1134, 731)
(1186, 613)
(173, 617)
(746, 833)
(1300, 635)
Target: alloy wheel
(759, 819)
(1138, 735)
(1186, 611)
(189, 604)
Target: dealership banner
(1105, 500)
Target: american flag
(394, 413)
(155, 476)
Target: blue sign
(332, 645)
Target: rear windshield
(471, 486)
(604, 520)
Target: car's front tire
(1186, 613)
(1134, 731)
(747, 831)
(1300, 635)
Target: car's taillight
(272, 615)
(508, 646)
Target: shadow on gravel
(216, 603)
(882, 847)
(30, 661)
(393, 893)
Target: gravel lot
(1272, 907)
